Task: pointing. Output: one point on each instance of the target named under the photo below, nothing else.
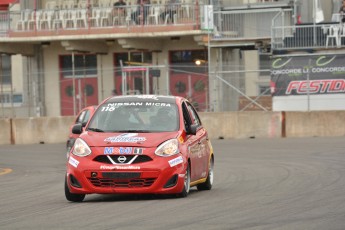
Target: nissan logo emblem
(121, 159)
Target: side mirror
(192, 129)
(77, 129)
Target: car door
(201, 151)
(194, 142)
(191, 141)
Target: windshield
(135, 117)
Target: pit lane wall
(5, 134)
(228, 125)
(242, 124)
(40, 130)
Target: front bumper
(162, 175)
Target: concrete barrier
(243, 124)
(5, 134)
(41, 129)
(315, 124)
(226, 125)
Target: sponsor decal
(108, 150)
(115, 167)
(153, 97)
(138, 151)
(120, 150)
(126, 137)
(316, 86)
(176, 161)
(73, 162)
(203, 174)
(112, 106)
(125, 150)
(158, 104)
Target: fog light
(171, 182)
(74, 182)
(93, 174)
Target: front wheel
(186, 186)
(72, 196)
(207, 185)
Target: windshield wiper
(134, 131)
(96, 130)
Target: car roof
(92, 108)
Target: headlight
(167, 148)
(80, 148)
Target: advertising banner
(308, 75)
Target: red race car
(82, 118)
(140, 144)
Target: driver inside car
(164, 120)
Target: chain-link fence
(281, 83)
(223, 91)
(67, 92)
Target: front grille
(115, 158)
(116, 183)
(121, 175)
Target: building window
(265, 63)
(133, 58)
(5, 72)
(84, 65)
(135, 75)
(183, 61)
(7, 100)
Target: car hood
(95, 139)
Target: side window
(81, 117)
(86, 116)
(195, 117)
(186, 117)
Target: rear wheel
(186, 186)
(207, 185)
(72, 196)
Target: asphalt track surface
(259, 184)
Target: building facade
(60, 56)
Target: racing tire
(72, 196)
(207, 185)
(186, 186)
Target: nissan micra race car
(137, 145)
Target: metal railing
(307, 36)
(251, 3)
(4, 24)
(57, 20)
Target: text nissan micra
(137, 145)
